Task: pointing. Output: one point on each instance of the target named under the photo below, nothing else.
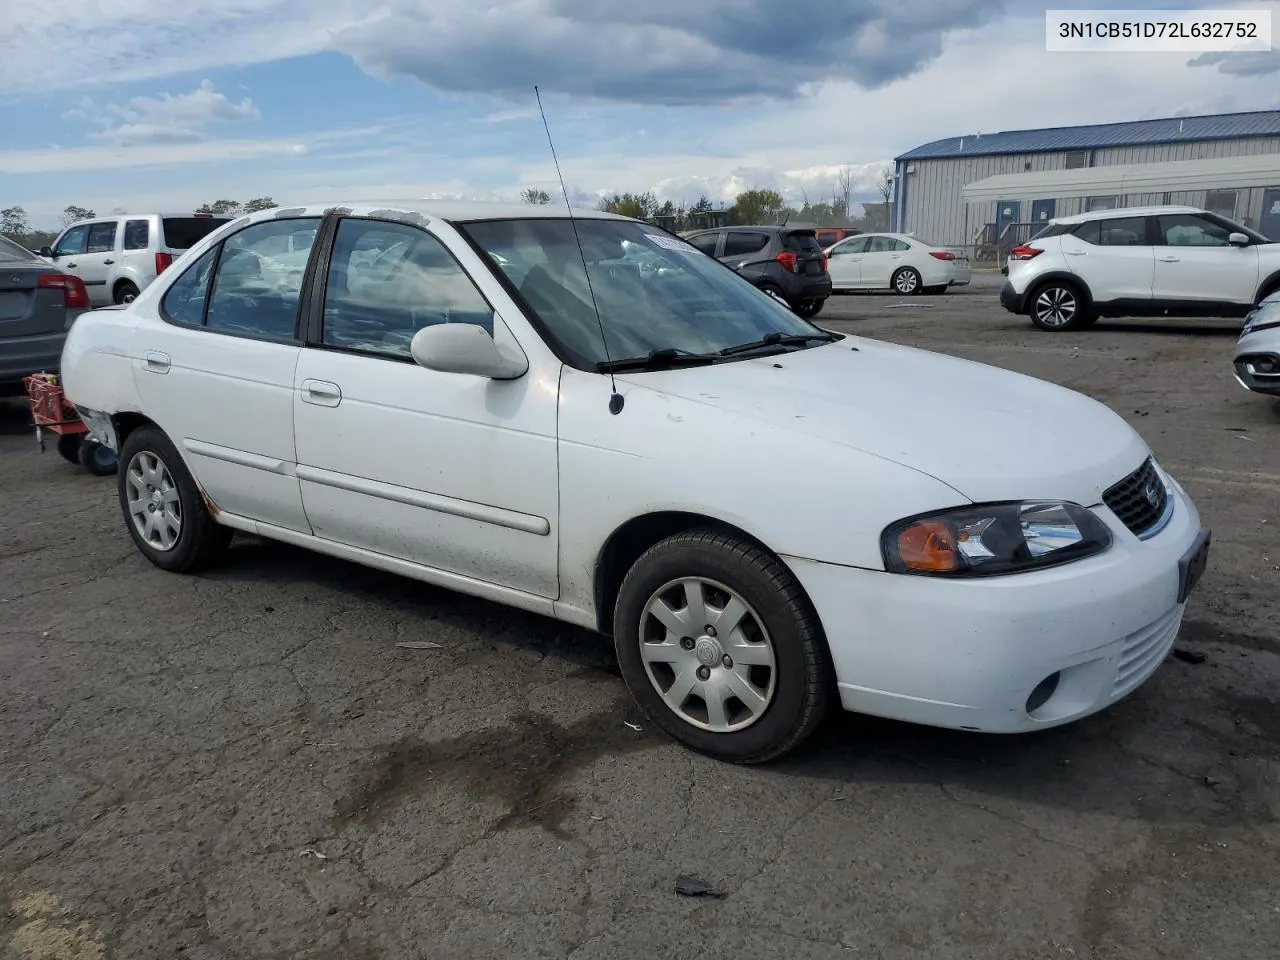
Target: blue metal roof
(1221, 126)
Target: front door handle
(157, 362)
(70, 264)
(1169, 259)
(108, 262)
(321, 392)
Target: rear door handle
(157, 362)
(1169, 259)
(70, 264)
(1076, 253)
(321, 392)
(108, 262)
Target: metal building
(989, 191)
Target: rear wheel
(776, 293)
(721, 648)
(1057, 306)
(906, 281)
(163, 508)
(810, 308)
(126, 292)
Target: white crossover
(767, 518)
(894, 261)
(1257, 357)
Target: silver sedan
(1257, 359)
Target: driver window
(387, 281)
(72, 242)
(857, 245)
(1188, 230)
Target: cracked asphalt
(245, 765)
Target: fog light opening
(1045, 689)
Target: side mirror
(465, 348)
(1238, 240)
(46, 252)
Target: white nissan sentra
(768, 519)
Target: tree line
(16, 225)
(754, 206)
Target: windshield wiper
(776, 339)
(664, 357)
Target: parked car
(1257, 359)
(786, 262)
(38, 302)
(1139, 261)
(895, 261)
(117, 257)
(768, 519)
(827, 236)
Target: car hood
(986, 432)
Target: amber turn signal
(928, 547)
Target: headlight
(989, 539)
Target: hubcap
(154, 505)
(707, 654)
(1055, 307)
(906, 281)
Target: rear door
(95, 263)
(745, 250)
(1114, 257)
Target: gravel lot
(245, 764)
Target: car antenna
(615, 398)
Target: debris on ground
(1189, 656)
(313, 853)
(419, 645)
(633, 726)
(1211, 781)
(691, 885)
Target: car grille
(1139, 499)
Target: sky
(150, 105)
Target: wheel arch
(1267, 287)
(629, 541)
(1061, 276)
(120, 281)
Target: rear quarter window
(183, 233)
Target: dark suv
(785, 261)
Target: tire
(149, 459)
(791, 665)
(69, 446)
(906, 281)
(808, 309)
(1058, 306)
(125, 292)
(98, 459)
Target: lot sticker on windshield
(671, 243)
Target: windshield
(654, 291)
(11, 251)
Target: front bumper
(1006, 654)
(1257, 361)
(1010, 299)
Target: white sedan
(769, 520)
(894, 261)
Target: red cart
(50, 411)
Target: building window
(1101, 203)
(1221, 202)
(1077, 159)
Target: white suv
(1140, 261)
(117, 257)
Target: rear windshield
(10, 251)
(801, 241)
(183, 233)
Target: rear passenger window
(387, 281)
(801, 243)
(259, 281)
(737, 244)
(102, 237)
(1119, 232)
(184, 301)
(137, 234)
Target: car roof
(454, 211)
(187, 215)
(1125, 212)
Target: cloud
(168, 118)
(1250, 64)
(667, 52)
(152, 153)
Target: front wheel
(163, 508)
(721, 648)
(1058, 306)
(906, 281)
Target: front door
(94, 265)
(217, 375)
(1269, 225)
(883, 258)
(451, 471)
(845, 263)
(1195, 264)
(1042, 211)
(1007, 213)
